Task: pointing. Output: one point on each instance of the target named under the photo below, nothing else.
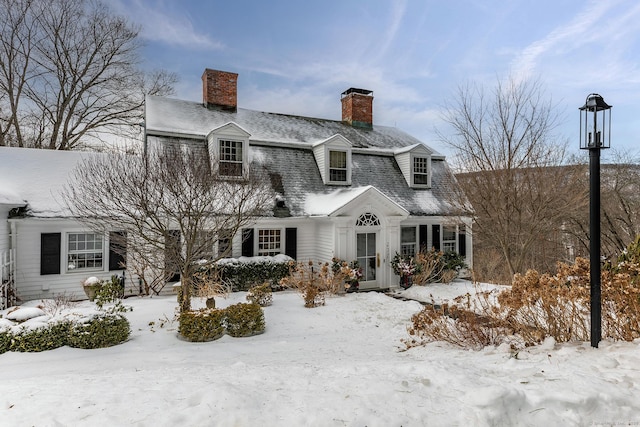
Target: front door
(367, 257)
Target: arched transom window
(367, 220)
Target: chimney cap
(356, 90)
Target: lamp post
(595, 135)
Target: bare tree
(619, 210)
(169, 203)
(507, 151)
(69, 72)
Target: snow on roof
(8, 196)
(326, 204)
(35, 177)
(168, 116)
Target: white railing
(7, 278)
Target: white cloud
(595, 45)
(397, 14)
(578, 31)
(164, 24)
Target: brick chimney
(357, 107)
(220, 89)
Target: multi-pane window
(449, 238)
(408, 241)
(421, 170)
(203, 244)
(338, 166)
(224, 244)
(84, 251)
(269, 242)
(230, 162)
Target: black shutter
(247, 242)
(50, 253)
(462, 243)
(172, 247)
(291, 242)
(422, 237)
(435, 237)
(117, 250)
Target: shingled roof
(281, 145)
(173, 117)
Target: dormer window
(333, 156)
(228, 147)
(421, 171)
(415, 164)
(337, 166)
(230, 160)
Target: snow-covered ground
(338, 365)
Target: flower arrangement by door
(405, 267)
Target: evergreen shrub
(202, 325)
(244, 320)
(5, 341)
(46, 337)
(101, 331)
(244, 275)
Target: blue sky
(297, 57)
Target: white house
(348, 189)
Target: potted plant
(405, 267)
(91, 286)
(353, 274)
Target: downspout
(13, 247)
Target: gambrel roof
(283, 147)
(178, 118)
(302, 181)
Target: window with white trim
(449, 238)
(269, 242)
(337, 166)
(230, 160)
(421, 170)
(85, 251)
(408, 241)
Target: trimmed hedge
(5, 341)
(43, 338)
(102, 331)
(244, 320)
(244, 275)
(201, 325)
(238, 320)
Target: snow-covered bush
(201, 325)
(245, 272)
(54, 323)
(44, 337)
(538, 306)
(261, 295)
(105, 330)
(243, 320)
